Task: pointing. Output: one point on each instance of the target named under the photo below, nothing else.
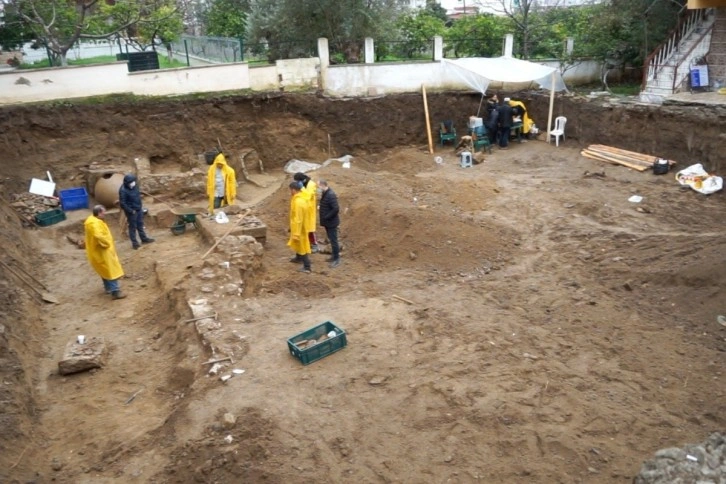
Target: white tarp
(479, 72)
(300, 166)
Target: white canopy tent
(479, 72)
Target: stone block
(83, 357)
(250, 225)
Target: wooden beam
(607, 159)
(428, 122)
(694, 4)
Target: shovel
(44, 295)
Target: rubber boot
(117, 295)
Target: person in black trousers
(492, 121)
(505, 123)
(129, 198)
(329, 218)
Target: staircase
(667, 68)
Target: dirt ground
(557, 331)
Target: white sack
(697, 178)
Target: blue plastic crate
(314, 343)
(74, 198)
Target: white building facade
(496, 7)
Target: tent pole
(552, 106)
(480, 102)
(428, 122)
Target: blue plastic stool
(465, 159)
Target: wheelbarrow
(184, 216)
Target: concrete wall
(264, 78)
(221, 77)
(388, 78)
(298, 73)
(717, 53)
(582, 72)
(19, 86)
(287, 74)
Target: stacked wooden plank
(616, 156)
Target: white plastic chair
(559, 130)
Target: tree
(159, 22)
(479, 35)
(227, 18)
(434, 8)
(291, 27)
(59, 24)
(417, 30)
(13, 32)
(521, 12)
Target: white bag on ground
(221, 218)
(697, 178)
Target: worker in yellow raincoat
(299, 241)
(101, 252)
(521, 110)
(221, 183)
(310, 190)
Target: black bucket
(661, 166)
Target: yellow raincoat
(526, 120)
(230, 182)
(299, 207)
(100, 249)
(310, 192)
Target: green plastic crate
(314, 344)
(50, 217)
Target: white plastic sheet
(479, 72)
(300, 166)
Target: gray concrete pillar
(370, 51)
(438, 48)
(323, 52)
(570, 45)
(508, 45)
(324, 56)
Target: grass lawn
(103, 59)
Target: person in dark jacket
(330, 219)
(505, 123)
(492, 122)
(129, 198)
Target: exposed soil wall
(20, 336)
(281, 127)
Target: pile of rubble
(29, 204)
(702, 463)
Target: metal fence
(212, 49)
(222, 50)
(225, 49)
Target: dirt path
(141, 334)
